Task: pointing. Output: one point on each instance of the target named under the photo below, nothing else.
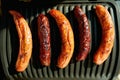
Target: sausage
(44, 38)
(84, 33)
(25, 41)
(67, 38)
(108, 35)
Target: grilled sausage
(67, 46)
(84, 33)
(108, 35)
(25, 41)
(44, 38)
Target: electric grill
(83, 70)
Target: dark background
(2, 76)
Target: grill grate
(85, 70)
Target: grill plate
(84, 70)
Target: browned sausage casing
(108, 35)
(44, 38)
(25, 41)
(67, 37)
(84, 33)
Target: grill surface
(84, 70)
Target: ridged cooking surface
(75, 70)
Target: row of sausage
(67, 37)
